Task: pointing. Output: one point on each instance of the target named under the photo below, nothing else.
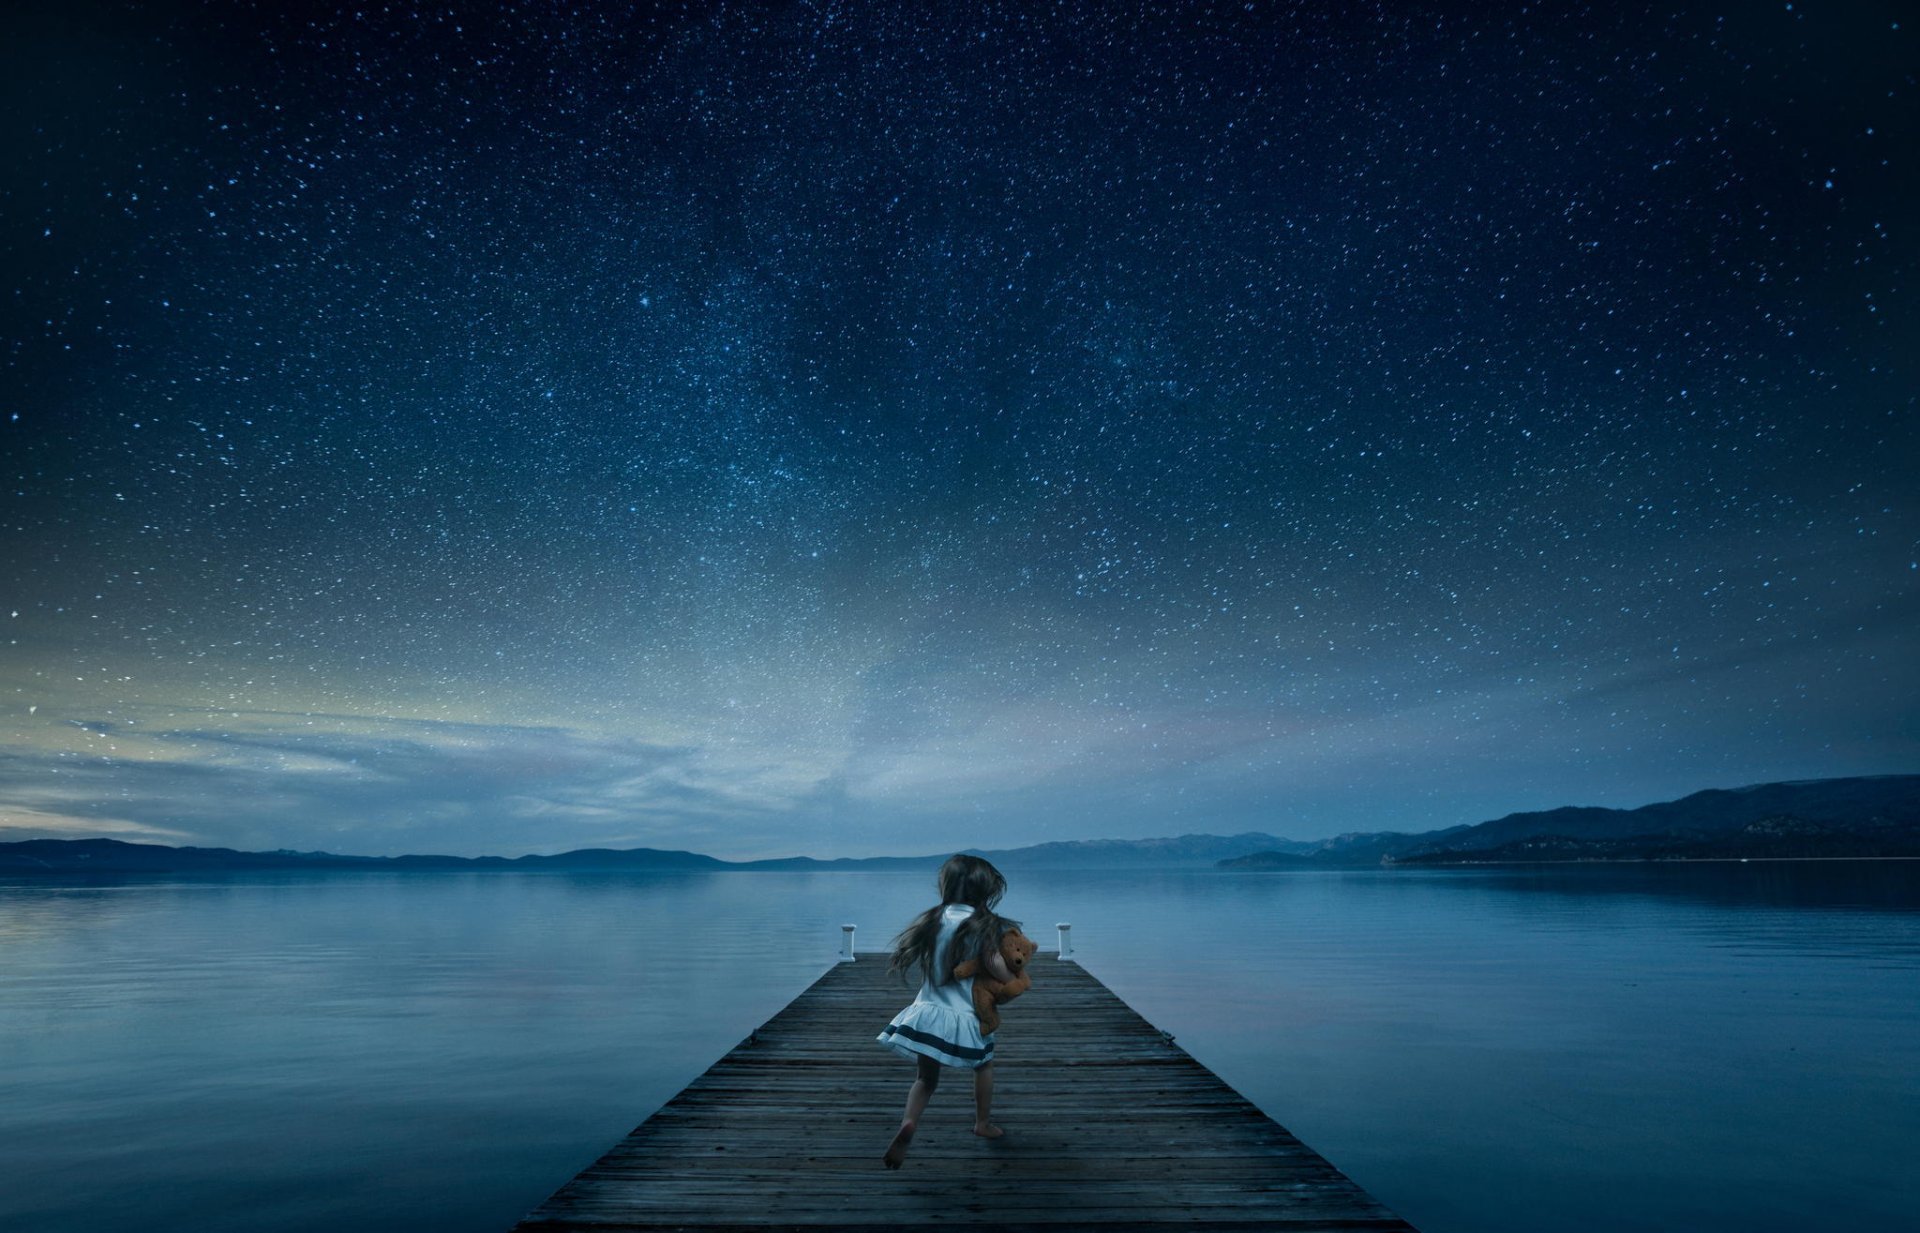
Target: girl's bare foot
(897, 1150)
(987, 1131)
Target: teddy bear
(1015, 948)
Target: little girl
(940, 1027)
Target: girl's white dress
(940, 1022)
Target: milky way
(852, 428)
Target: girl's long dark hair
(963, 879)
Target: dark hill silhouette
(1876, 815)
(1863, 816)
(118, 856)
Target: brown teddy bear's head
(1016, 948)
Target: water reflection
(1495, 1049)
(1485, 1049)
(1872, 886)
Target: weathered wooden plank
(1104, 1221)
(1109, 1125)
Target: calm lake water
(1586, 1048)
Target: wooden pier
(1109, 1125)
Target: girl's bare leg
(926, 1078)
(983, 1103)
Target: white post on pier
(846, 943)
(1066, 942)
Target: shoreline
(26, 872)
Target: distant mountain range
(1867, 816)
(118, 856)
(1871, 816)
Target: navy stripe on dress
(948, 1047)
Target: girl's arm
(997, 967)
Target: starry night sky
(840, 429)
